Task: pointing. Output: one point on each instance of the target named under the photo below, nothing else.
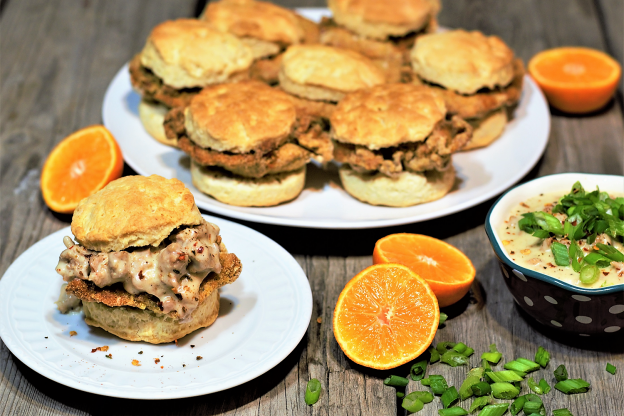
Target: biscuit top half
(387, 115)
(189, 53)
(334, 68)
(133, 211)
(463, 61)
(382, 19)
(255, 19)
(240, 117)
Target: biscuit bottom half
(248, 192)
(152, 117)
(407, 189)
(487, 129)
(134, 324)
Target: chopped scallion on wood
(452, 411)
(504, 391)
(561, 373)
(417, 371)
(573, 386)
(544, 386)
(562, 412)
(443, 318)
(611, 368)
(542, 357)
(313, 391)
(412, 403)
(481, 389)
(449, 397)
(494, 409)
(479, 403)
(438, 384)
(396, 381)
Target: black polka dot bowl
(561, 306)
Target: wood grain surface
(56, 60)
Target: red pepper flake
(181, 257)
(551, 265)
(136, 363)
(605, 273)
(585, 249)
(156, 360)
(199, 357)
(72, 333)
(522, 204)
(162, 366)
(200, 250)
(141, 277)
(512, 252)
(176, 342)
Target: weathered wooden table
(56, 60)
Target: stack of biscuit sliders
(376, 90)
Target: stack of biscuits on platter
(253, 92)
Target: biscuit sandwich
(384, 31)
(181, 57)
(266, 28)
(146, 266)
(248, 143)
(478, 77)
(320, 76)
(395, 143)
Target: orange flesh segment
(574, 68)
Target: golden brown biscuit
(320, 72)
(382, 19)
(142, 210)
(187, 53)
(463, 61)
(387, 115)
(487, 129)
(240, 117)
(152, 116)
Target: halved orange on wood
(446, 269)
(80, 165)
(385, 316)
(574, 79)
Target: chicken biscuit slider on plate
(381, 30)
(266, 28)
(181, 57)
(321, 75)
(478, 77)
(395, 142)
(248, 143)
(147, 266)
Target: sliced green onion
(560, 252)
(417, 371)
(400, 394)
(533, 407)
(504, 391)
(494, 409)
(474, 377)
(533, 398)
(468, 352)
(576, 256)
(442, 347)
(423, 396)
(479, 403)
(452, 411)
(453, 358)
(435, 355)
(561, 373)
(313, 391)
(589, 273)
(519, 367)
(597, 259)
(449, 397)
(396, 381)
(517, 405)
(460, 347)
(503, 376)
(610, 252)
(542, 357)
(493, 357)
(544, 386)
(486, 365)
(572, 386)
(534, 386)
(411, 403)
(532, 365)
(438, 384)
(443, 318)
(611, 368)
(481, 389)
(562, 412)
(425, 382)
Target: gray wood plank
(612, 15)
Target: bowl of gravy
(553, 293)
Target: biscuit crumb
(104, 349)
(136, 363)
(72, 333)
(192, 346)
(199, 357)
(140, 352)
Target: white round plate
(263, 316)
(481, 174)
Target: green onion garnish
(504, 391)
(534, 386)
(589, 273)
(560, 251)
(449, 397)
(572, 386)
(562, 412)
(425, 382)
(453, 358)
(442, 347)
(400, 394)
(474, 377)
(561, 373)
(460, 347)
(533, 407)
(438, 384)
(481, 389)
(485, 365)
(576, 256)
(542, 357)
(517, 405)
(494, 409)
(479, 403)
(521, 368)
(544, 386)
(611, 368)
(533, 366)
(443, 318)
(452, 411)
(412, 403)
(493, 356)
(610, 252)
(503, 376)
(423, 396)
(468, 352)
(417, 371)
(313, 391)
(435, 355)
(396, 381)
